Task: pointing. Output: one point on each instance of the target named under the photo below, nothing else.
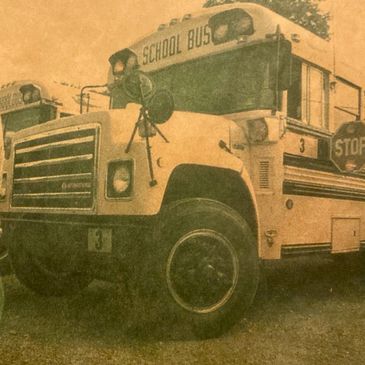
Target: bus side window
(308, 95)
(295, 91)
(347, 105)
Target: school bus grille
(56, 170)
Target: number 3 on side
(100, 240)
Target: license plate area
(100, 240)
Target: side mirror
(138, 87)
(160, 107)
(280, 68)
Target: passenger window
(308, 95)
(295, 92)
(347, 103)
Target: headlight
(3, 187)
(7, 144)
(120, 179)
(257, 130)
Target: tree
(303, 12)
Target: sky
(68, 40)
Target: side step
(307, 249)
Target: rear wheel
(44, 266)
(1, 298)
(204, 265)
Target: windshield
(221, 84)
(25, 118)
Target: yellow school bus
(27, 103)
(247, 168)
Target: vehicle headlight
(3, 187)
(258, 130)
(8, 139)
(120, 179)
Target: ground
(313, 313)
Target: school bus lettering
(165, 48)
(176, 44)
(217, 152)
(198, 37)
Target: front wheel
(1, 298)
(204, 265)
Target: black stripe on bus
(322, 191)
(362, 245)
(306, 249)
(316, 164)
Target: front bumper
(111, 246)
(5, 266)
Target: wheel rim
(202, 271)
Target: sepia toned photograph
(182, 182)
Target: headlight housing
(120, 179)
(3, 187)
(258, 130)
(30, 93)
(8, 140)
(230, 25)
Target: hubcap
(202, 271)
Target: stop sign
(348, 147)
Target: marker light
(30, 93)
(36, 95)
(230, 25)
(258, 130)
(123, 61)
(118, 67)
(27, 97)
(221, 33)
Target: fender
(193, 141)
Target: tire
(1, 298)
(38, 271)
(203, 269)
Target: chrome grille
(56, 170)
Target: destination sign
(348, 147)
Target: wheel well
(224, 185)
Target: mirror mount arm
(277, 66)
(82, 93)
(143, 118)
